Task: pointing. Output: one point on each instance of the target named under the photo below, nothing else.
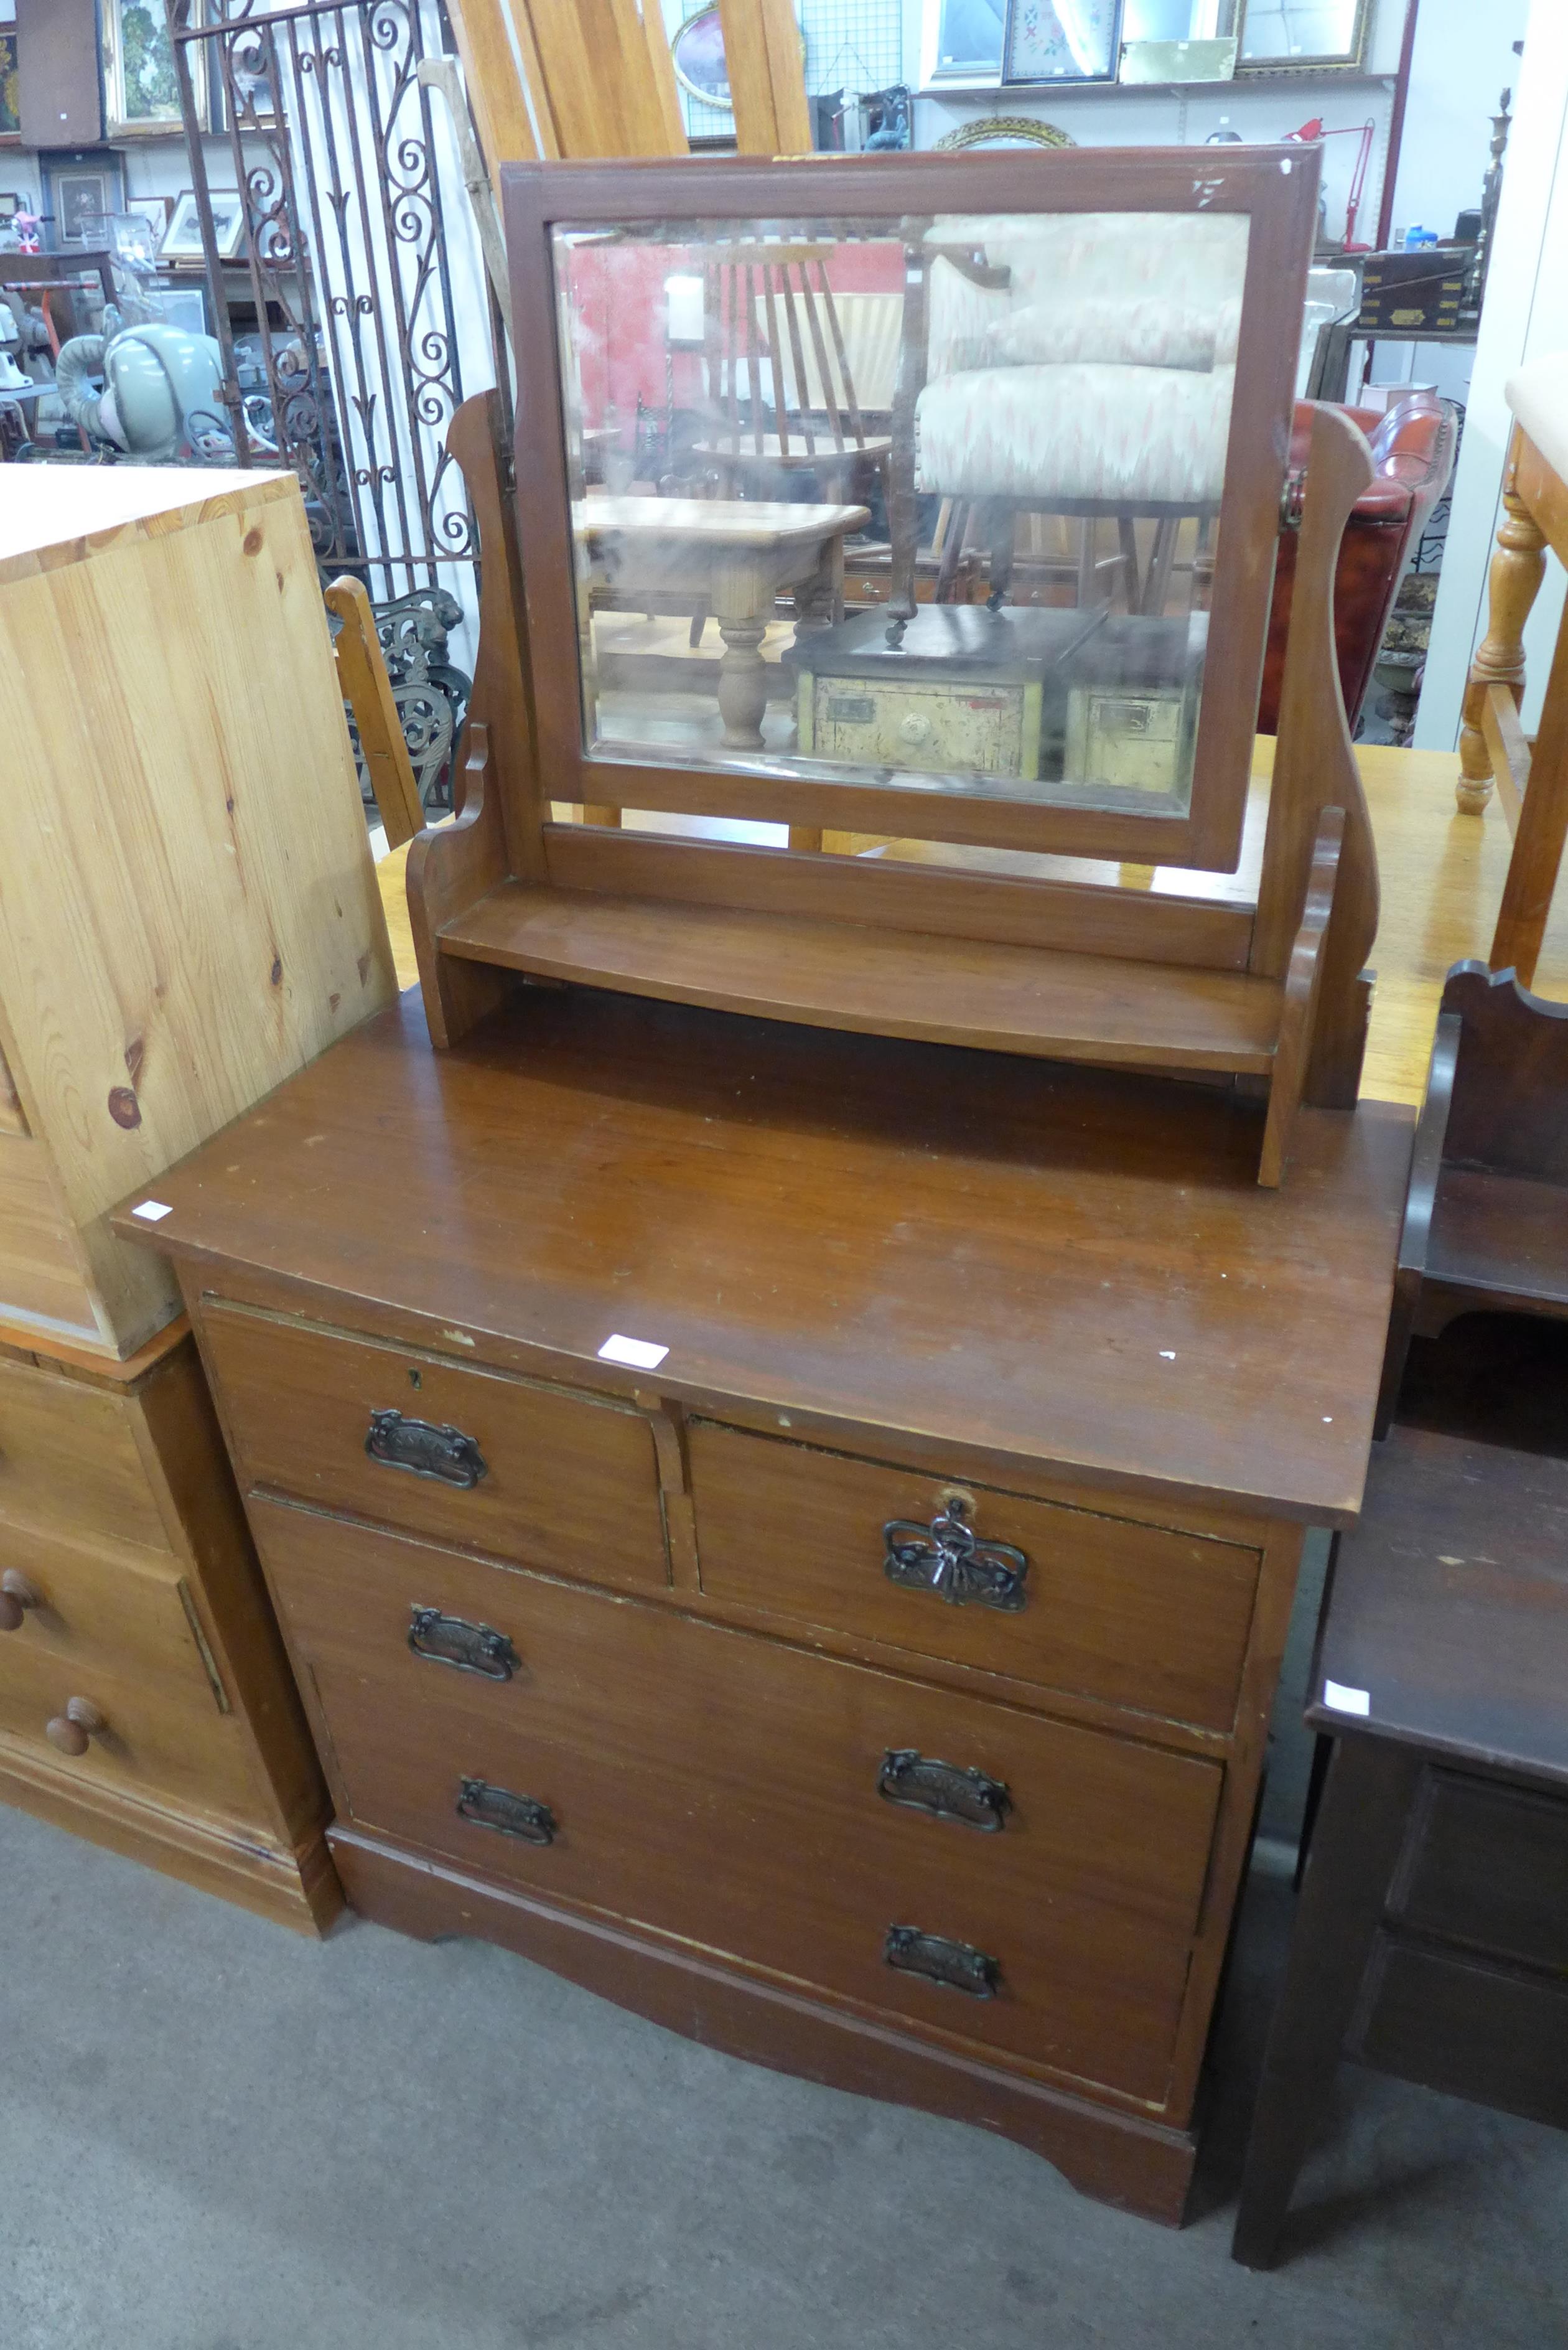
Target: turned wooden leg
(1516, 570)
(742, 683)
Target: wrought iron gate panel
(347, 232)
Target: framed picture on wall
(1303, 36)
(182, 237)
(10, 88)
(141, 93)
(79, 191)
(1061, 40)
(241, 79)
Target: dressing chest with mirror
(782, 1446)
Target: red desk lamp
(1314, 129)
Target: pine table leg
(1516, 570)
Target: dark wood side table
(1431, 1940)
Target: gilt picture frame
(141, 90)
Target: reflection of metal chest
(1132, 705)
(962, 694)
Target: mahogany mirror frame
(1277, 186)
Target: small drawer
(1494, 2033)
(1487, 1865)
(69, 1462)
(1105, 1607)
(105, 1610)
(154, 1740)
(780, 1806)
(530, 1471)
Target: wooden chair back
(367, 690)
(770, 311)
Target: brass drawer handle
(947, 1557)
(499, 1808)
(17, 1596)
(954, 1966)
(471, 1648)
(948, 1790)
(444, 1454)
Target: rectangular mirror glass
(1300, 35)
(1177, 40)
(770, 424)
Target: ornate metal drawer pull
(947, 1789)
(499, 1808)
(956, 1966)
(452, 1640)
(444, 1454)
(947, 1556)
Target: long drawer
(96, 1606)
(1137, 1615)
(509, 1465)
(758, 1799)
(156, 1739)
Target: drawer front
(502, 1464)
(1472, 2029)
(1134, 1615)
(68, 1460)
(739, 1792)
(990, 730)
(92, 1608)
(1488, 1864)
(156, 1741)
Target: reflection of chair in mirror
(1412, 445)
(781, 382)
(1082, 366)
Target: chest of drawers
(872, 1679)
(145, 1699)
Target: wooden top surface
(721, 522)
(1060, 1267)
(1450, 1604)
(19, 1341)
(53, 514)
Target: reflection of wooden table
(734, 555)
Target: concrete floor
(217, 2136)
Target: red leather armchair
(1413, 456)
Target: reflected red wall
(619, 305)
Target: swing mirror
(953, 523)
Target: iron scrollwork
(331, 143)
(497, 1807)
(948, 1790)
(429, 694)
(425, 1451)
(947, 1557)
(471, 1648)
(954, 1966)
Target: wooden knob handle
(70, 1732)
(17, 1596)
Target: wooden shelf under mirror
(1089, 733)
